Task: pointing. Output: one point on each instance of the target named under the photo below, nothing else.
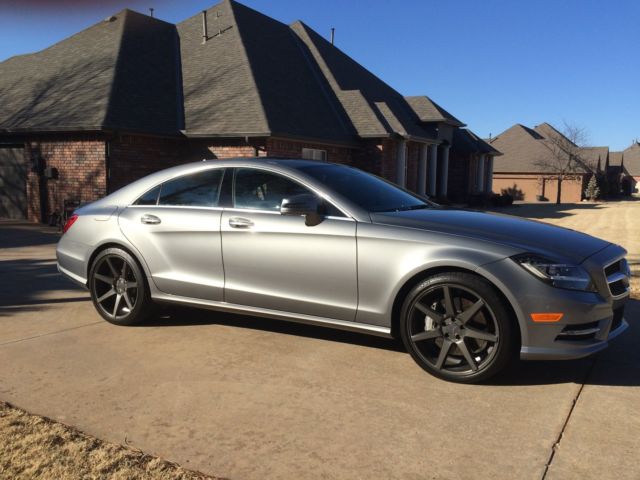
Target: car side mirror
(305, 204)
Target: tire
(118, 287)
(466, 339)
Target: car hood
(528, 235)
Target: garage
(13, 182)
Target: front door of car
(176, 228)
(278, 262)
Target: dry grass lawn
(34, 447)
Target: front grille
(618, 315)
(613, 268)
(617, 288)
(617, 274)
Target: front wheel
(118, 288)
(456, 327)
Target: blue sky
(491, 63)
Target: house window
(314, 154)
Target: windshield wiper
(413, 207)
(404, 209)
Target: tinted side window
(262, 190)
(196, 190)
(149, 198)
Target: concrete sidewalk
(250, 398)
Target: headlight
(561, 275)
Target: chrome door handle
(150, 219)
(239, 222)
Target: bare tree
(565, 159)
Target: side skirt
(275, 314)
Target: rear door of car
(176, 228)
(278, 262)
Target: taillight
(70, 221)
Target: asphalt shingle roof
(371, 106)
(632, 159)
(595, 156)
(524, 149)
(119, 73)
(615, 159)
(253, 76)
(429, 111)
(465, 141)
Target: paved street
(250, 398)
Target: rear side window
(149, 198)
(200, 189)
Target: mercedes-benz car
(327, 244)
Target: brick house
(519, 171)
(624, 170)
(133, 94)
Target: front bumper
(567, 351)
(590, 320)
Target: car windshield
(365, 190)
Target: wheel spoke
(467, 355)
(132, 285)
(470, 312)
(426, 335)
(480, 335)
(104, 278)
(127, 300)
(109, 294)
(444, 351)
(429, 312)
(114, 272)
(116, 305)
(124, 268)
(448, 302)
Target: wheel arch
(424, 274)
(114, 244)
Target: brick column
(433, 170)
(401, 164)
(480, 174)
(422, 169)
(489, 183)
(444, 175)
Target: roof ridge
(114, 74)
(231, 5)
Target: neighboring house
(631, 166)
(520, 171)
(133, 94)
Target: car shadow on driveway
(171, 316)
(619, 365)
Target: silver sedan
(327, 244)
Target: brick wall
(134, 156)
(526, 186)
(80, 161)
(291, 149)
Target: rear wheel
(455, 326)
(118, 288)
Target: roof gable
(118, 73)
(632, 159)
(429, 111)
(371, 106)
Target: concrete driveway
(249, 398)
